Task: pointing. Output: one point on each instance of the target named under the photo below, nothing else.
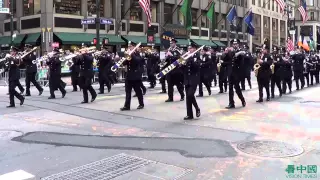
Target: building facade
(49, 22)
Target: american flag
(290, 46)
(145, 5)
(303, 11)
(281, 4)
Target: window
(68, 7)
(253, 2)
(204, 20)
(92, 8)
(277, 5)
(31, 7)
(273, 5)
(311, 16)
(168, 8)
(135, 11)
(194, 17)
(153, 9)
(259, 3)
(310, 2)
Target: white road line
(18, 175)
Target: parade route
(62, 138)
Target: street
(66, 139)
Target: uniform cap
(28, 45)
(206, 49)
(56, 50)
(192, 45)
(173, 40)
(235, 41)
(275, 48)
(131, 43)
(14, 49)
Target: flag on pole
(145, 5)
(211, 15)
(290, 46)
(248, 20)
(186, 12)
(232, 15)
(281, 4)
(303, 11)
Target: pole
(98, 24)
(209, 5)
(11, 21)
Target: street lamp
(98, 24)
(11, 21)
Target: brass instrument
(127, 56)
(72, 55)
(148, 50)
(256, 69)
(272, 68)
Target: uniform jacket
(237, 64)
(264, 71)
(205, 66)
(298, 61)
(86, 65)
(170, 59)
(248, 63)
(152, 62)
(278, 65)
(191, 70)
(75, 68)
(104, 61)
(287, 69)
(30, 67)
(13, 68)
(54, 65)
(134, 67)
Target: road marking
(18, 175)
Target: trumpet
(127, 56)
(256, 69)
(219, 66)
(272, 68)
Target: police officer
(55, 74)
(191, 72)
(248, 64)
(298, 67)
(14, 76)
(162, 81)
(264, 72)
(75, 72)
(277, 75)
(312, 62)
(287, 74)
(104, 66)
(213, 67)
(86, 74)
(175, 77)
(31, 71)
(133, 78)
(236, 74)
(223, 69)
(153, 59)
(205, 71)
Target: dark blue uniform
(31, 71)
(55, 76)
(277, 77)
(205, 73)
(298, 69)
(264, 76)
(248, 64)
(104, 66)
(75, 72)
(287, 76)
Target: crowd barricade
(42, 76)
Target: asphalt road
(98, 141)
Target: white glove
(8, 55)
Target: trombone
(127, 56)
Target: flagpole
(209, 5)
(119, 24)
(172, 14)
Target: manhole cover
(8, 134)
(108, 168)
(270, 149)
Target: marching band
(185, 70)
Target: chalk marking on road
(151, 175)
(17, 175)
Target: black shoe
(199, 95)
(75, 90)
(182, 99)
(144, 91)
(280, 95)
(268, 99)
(40, 92)
(109, 89)
(84, 102)
(198, 113)
(272, 96)
(22, 91)
(124, 109)
(290, 92)
(64, 94)
(230, 106)
(259, 100)
(297, 89)
(134, 95)
(151, 87)
(163, 92)
(51, 97)
(169, 100)
(220, 92)
(243, 89)
(11, 106)
(101, 93)
(22, 101)
(250, 87)
(28, 95)
(93, 98)
(209, 92)
(243, 103)
(140, 107)
(188, 118)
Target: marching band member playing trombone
(133, 78)
(55, 74)
(31, 71)
(14, 76)
(191, 72)
(104, 65)
(75, 71)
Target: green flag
(186, 12)
(211, 16)
(311, 45)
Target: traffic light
(95, 41)
(105, 41)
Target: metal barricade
(42, 76)
(4, 77)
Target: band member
(55, 75)
(162, 81)
(264, 72)
(248, 64)
(236, 74)
(104, 65)
(298, 60)
(153, 59)
(223, 67)
(133, 78)
(277, 75)
(191, 80)
(306, 68)
(14, 76)
(86, 74)
(31, 71)
(75, 72)
(213, 67)
(287, 74)
(313, 67)
(205, 71)
(175, 77)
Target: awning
(19, 38)
(142, 39)
(6, 40)
(201, 42)
(183, 42)
(219, 44)
(32, 38)
(79, 38)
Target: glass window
(68, 7)
(194, 17)
(310, 2)
(153, 9)
(92, 8)
(273, 5)
(31, 7)
(253, 2)
(168, 8)
(311, 16)
(136, 12)
(204, 20)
